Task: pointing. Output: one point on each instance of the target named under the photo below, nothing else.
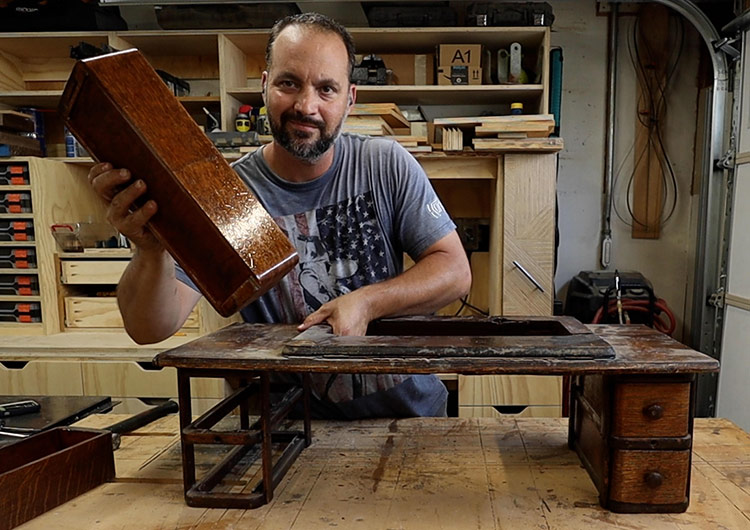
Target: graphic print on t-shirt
(340, 247)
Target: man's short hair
(315, 21)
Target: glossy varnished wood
(50, 468)
(123, 113)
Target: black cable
(655, 94)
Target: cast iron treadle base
(254, 440)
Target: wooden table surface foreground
(443, 473)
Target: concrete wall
(667, 262)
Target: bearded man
(351, 205)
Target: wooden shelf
(13, 187)
(25, 215)
(19, 298)
(425, 94)
(19, 272)
(410, 40)
(42, 99)
(31, 243)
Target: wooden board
(530, 145)
(638, 349)
(473, 474)
(16, 121)
(388, 111)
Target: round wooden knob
(653, 412)
(653, 479)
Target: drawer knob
(653, 412)
(653, 479)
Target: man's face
(307, 91)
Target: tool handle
(144, 418)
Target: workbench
(421, 473)
(631, 410)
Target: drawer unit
(135, 380)
(16, 229)
(24, 312)
(15, 201)
(653, 477)
(14, 174)
(17, 258)
(19, 285)
(41, 378)
(634, 437)
(102, 312)
(491, 390)
(645, 410)
(83, 272)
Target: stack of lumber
(502, 133)
(453, 139)
(385, 119)
(13, 125)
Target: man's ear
(263, 85)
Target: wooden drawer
(92, 272)
(481, 390)
(651, 410)
(130, 379)
(41, 378)
(102, 312)
(653, 477)
(538, 411)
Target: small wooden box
(208, 219)
(50, 468)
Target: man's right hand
(119, 190)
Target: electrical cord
(656, 95)
(630, 305)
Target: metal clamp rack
(255, 440)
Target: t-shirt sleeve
(184, 278)
(419, 215)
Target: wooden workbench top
(242, 346)
(431, 473)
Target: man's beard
(294, 141)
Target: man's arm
(440, 275)
(153, 303)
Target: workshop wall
(668, 261)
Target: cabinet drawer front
(653, 477)
(648, 410)
(130, 379)
(42, 378)
(102, 312)
(480, 390)
(105, 272)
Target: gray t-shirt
(350, 227)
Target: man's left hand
(348, 314)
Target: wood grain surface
(208, 219)
(421, 473)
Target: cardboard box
(460, 54)
(459, 75)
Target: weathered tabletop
(410, 474)
(637, 349)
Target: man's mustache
(301, 118)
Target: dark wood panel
(123, 113)
(647, 410)
(638, 349)
(50, 468)
(650, 477)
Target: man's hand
(348, 314)
(116, 187)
